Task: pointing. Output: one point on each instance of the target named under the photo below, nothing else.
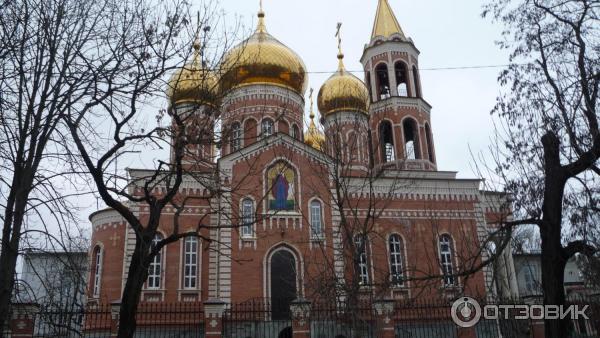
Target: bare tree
(51, 61)
(549, 142)
(191, 131)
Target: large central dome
(263, 59)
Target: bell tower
(400, 117)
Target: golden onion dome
(263, 59)
(313, 137)
(193, 83)
(343, 92)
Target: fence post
(384, 312)
(213, 318)
(466, 332)
(22, 322)
(300, 309)
(115, 308)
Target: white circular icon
(466, 312)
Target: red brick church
(351, 202)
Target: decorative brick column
(213, 318)
(466, 332)
(384, 312)
(300, 309)
(115, 308)
(22, 322)
(537, 329)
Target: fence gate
(257, 318)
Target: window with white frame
(295, 132)
(361, 244)
(316, 219)
(247, 217)
(190, 263)
(97, 270)
(236, 136)
(396, 260)
(267, 127)
(155, 268)
(447, 260)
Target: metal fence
(258, 318)
(266, 318)
(180, 320)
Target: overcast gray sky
(448, 34)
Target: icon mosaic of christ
(281, 180)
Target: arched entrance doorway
(283, 283)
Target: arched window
(429, 143)
(401, 78)
(361, 243)
(267, 128)
(155, 268)
(190, 263)
(396, 260)
(97, 271)
(316, 218)
(415, 73)
(247, 217)
(236, 136)
(411, 139)
(447, 260)
(295, 132)
(386, 139)
(383, 81)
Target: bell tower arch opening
(416, 82)
(386, 140)
(383, 81)
(429, 139)
(411, 139)
(401, 71)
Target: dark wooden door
(283, 284)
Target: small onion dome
(193, 83)
(262, 59)
(343, 92)
(313, 137)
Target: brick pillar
(537, 329)
(300, 309)
(213, 318)
(466, 332)
(22, 321)
(384, 313)
(115, 307)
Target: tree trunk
(8, 261)
(11, 237)
(136, 278)
(553, 259)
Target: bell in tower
(400, 117)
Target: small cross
(261, 5)
(114, 238)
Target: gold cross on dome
(312, 114)
(338, 35)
